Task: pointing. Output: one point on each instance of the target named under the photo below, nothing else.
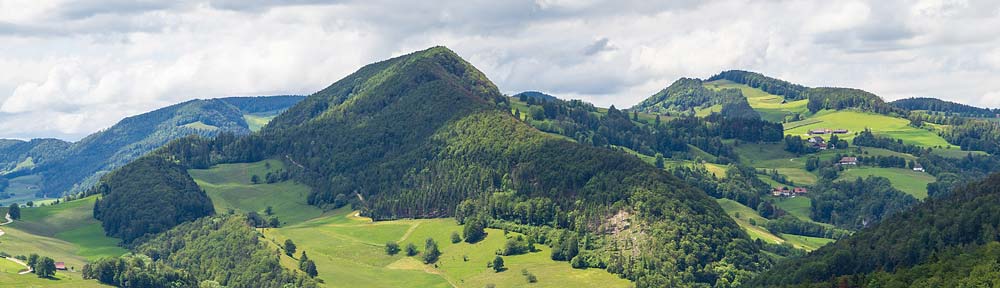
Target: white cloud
(67, 70)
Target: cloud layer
(69, 69)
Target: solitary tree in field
(269, 211)
(15, 211)
(310, 268)
(255, 179)
(474, 230)
(289, 247)
(391, 248)
(45, 267)
(498, 264)
(455, 238)
(411, 249)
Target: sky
(71, 68)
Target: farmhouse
(917, 167)
(827, 131)
(848, 161)
(818, 142)
(780, 191)
(799, 191)
(60, 266)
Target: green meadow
(743, 215)
(23, 189)
(255, 121)
(229, 187)
(855, 121)
(349, 250)
(906, 180)
(771, 107)
(66, 232)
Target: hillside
(689, 96)
(947, 242)
(942, 106)
(458, 160)
(74, 167)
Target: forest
(927, 246)
(790, 91)
(177, 258)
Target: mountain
(946, 242)
(689, 95)
(72, 167)
(428, 135)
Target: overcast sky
(70, 69)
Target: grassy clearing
(855, 121)
(806, 242)
(349, 252)
(229, 187)
(770, 107)
(742, 215)
(702, 112)
(201, 126)
(66, 232)
(906, 180)
(955, 152)
(255, 121)
(62, 279)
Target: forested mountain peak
(689, 95)
(385, 80)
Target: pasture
(229, 187)
(855, 121)
(906, 180)
(771, 107)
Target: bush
(455, 238)
(391, 248)
(411, 249)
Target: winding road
(15, 260)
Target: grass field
(954, 152)
(66, 232)
(743, 214)
(768, 105)
(201, 126)
(906, 180)
(255, 121)
(855, 121)
(806, 242)
(229, 187)
(349, 252)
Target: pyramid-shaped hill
(428, 135)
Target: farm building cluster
(785, 192)
(818, 142)
(827, 131)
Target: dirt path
(15, 260)
(409, 231)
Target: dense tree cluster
(790, 91)
(793, 225)
(148, 196)
(844, 98)
(137, 271)
(238, 257)
(859, 203)
(948, 107)
(943, 242)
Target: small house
(799, 191)
(917, 167)
(60, 266)
(840, 131)
(781, 191)
(848, 161)
(816, 139)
